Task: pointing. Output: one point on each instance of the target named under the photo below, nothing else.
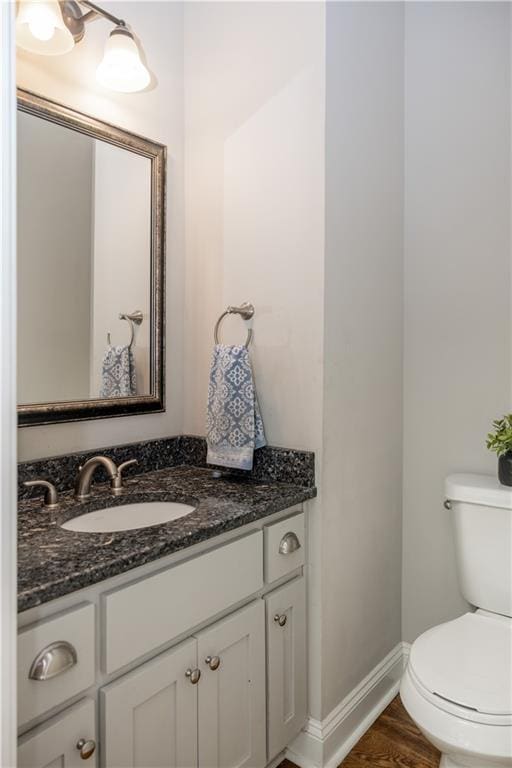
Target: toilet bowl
(457, 686)
(458, 689)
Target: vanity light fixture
(121, 68)
(52, 27)
(40, 28)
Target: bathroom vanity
(179, 641)
(181, 644)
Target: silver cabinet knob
(289, 543)
(213, 662)
(193, 675)
(53, 660)
(86, 748)
(280, 619)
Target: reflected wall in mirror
(90, 266)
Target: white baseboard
(324, 744)
(278, 759)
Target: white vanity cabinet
(64, 741)
(149, 716)
(207, 692)
(232, 702)
(286, 664)
(199, 662)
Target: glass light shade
(40, 28)
(121, 68)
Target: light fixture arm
(75, 20)
(95, 10)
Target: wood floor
(393, 741)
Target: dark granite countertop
(53, 561)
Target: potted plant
(500, 441)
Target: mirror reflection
(84, 266)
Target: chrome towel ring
(245, 310)
(135, 318)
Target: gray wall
(54, 261)
(362, 463)
(457, 277)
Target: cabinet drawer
(284, 547)
(67, 642)
(153, 611)
(55, 744)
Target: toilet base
(468, 762)
(447, 762)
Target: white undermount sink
(126, 517)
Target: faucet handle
(116, 482)
(51, 497)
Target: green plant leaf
(500, 440)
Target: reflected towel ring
(245, 310)
(135, 318)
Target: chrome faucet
(85, 475)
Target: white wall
(54, 261)
(157, 114)
(121, 258)
(254, 197)
(254, 127)
(457, 278)
(362, 419)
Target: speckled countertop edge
(53, 562)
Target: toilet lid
(468, 661)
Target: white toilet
(458, 683)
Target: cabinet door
(55, 744)
(232, 694)
(149, 716)
(286, 664)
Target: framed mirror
(91, 256)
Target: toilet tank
(482, 517)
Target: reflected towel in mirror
(118, 377)
(234, 427)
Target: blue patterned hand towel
(118, 372)
(234, 427)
